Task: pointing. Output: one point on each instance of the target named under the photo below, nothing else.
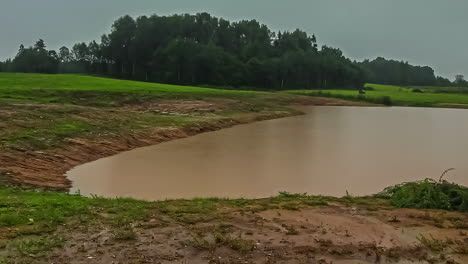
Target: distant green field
(95, 91)
(88, 90)
(402, 96)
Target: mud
(316, 235)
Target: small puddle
(328, 151)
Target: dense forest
(401, 73)
(204, 50)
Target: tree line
(392, 72)
(204, 50)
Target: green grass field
(96, 91)
(400, 96)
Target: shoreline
(46, 169)
(50, 227)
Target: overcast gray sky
(423, 32)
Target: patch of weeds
(236, 243)
(199, 242)
(190, 211)
(34, 229)
(294, 201)
(316, 202)
(370, 203)
(394, 220)
(10, 219)
(459, 224)
(429, 194)
(291, 206)
(48, 135)
(122, 211)
(3, 243)
(20, 207)
(461, 249)
(124, 234)
(37, 246)
(291, 196)
(221, 237)
(433, 244)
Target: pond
(328, 151)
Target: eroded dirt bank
(45, 168)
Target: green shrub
(429, 194)
(417, 90)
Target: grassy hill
(88, 90)
(400, 96)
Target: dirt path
(46, 168)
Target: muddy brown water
(328, 151)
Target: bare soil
(333, 234)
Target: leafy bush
(429, 194)
(417, 90)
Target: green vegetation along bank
(424, 96)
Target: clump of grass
(394, 220)
(198, 241)
(462, 249)
(221, 237)
(459, 224)
(236, 243)
(19, 207)
(37, 246)
(429, 194)
(124, 234)
(433, 244)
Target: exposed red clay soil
(46, 169)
